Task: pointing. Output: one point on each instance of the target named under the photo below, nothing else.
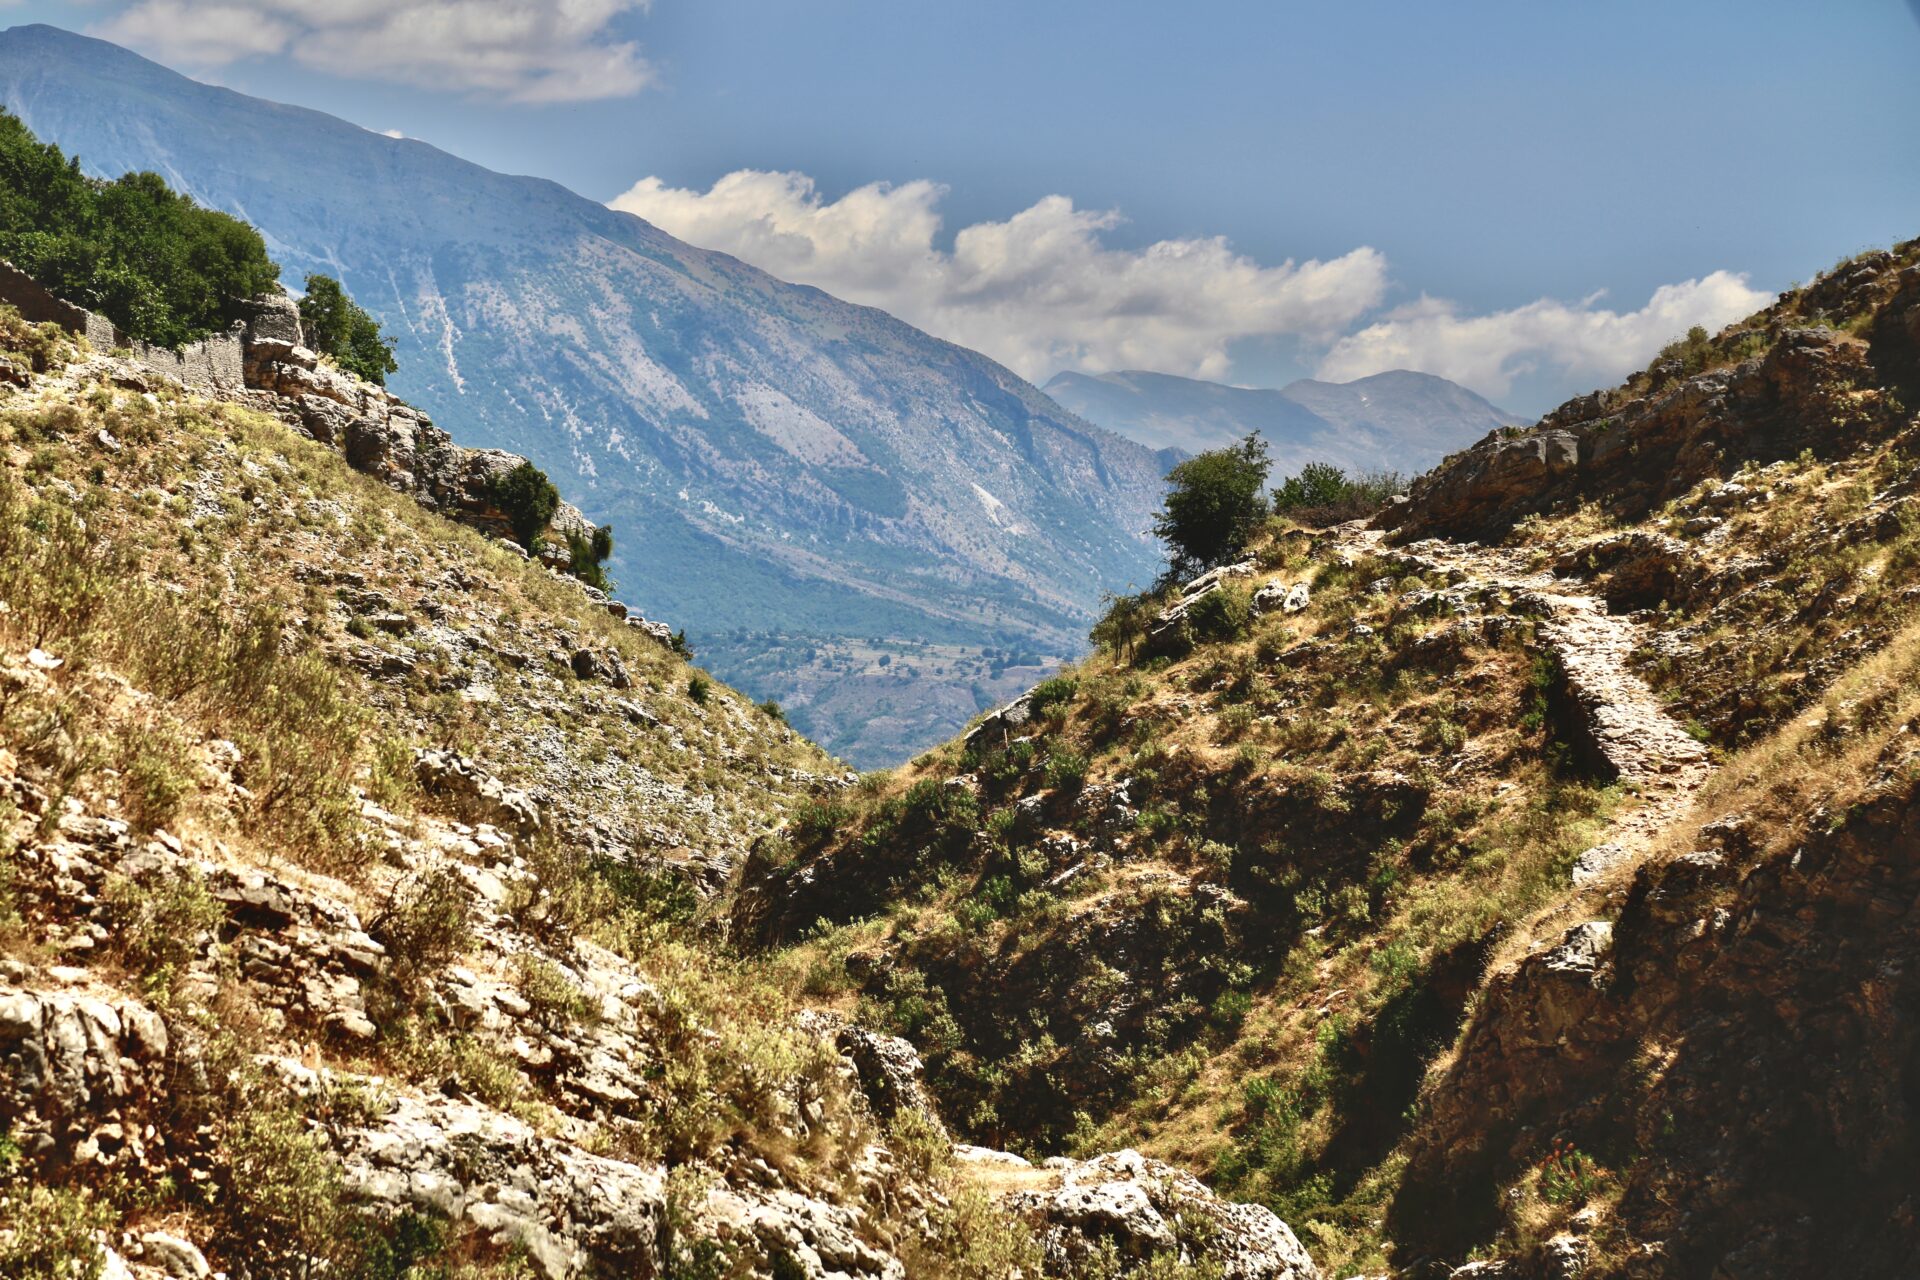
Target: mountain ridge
(772, 459)
(1400, 420)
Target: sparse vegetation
(1233, 905)
(49, 1233)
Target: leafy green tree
(1213, 505)
(161, 267)
(337, 326)
(528, 500)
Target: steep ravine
(1514, 887)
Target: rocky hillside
(773, 460)
(356, 879)
(1519, 885)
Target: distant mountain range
(787, 474)
(1398, 421)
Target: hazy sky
(1528, 197)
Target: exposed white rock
(1142, 1206)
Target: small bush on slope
(528, 500)
(1322, 494)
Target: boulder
(1641, 569)
(1270, 598)
(1490, 484)
(603, 666)
(1146, 1208)
(997, 728)
(72, 1066)
(1217, 577)
(177, 1259)
(273, 329)
(1895, 336)
(656, 630)
(891, 1074)
(476, 796)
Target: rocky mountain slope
(353, 876)
(1519, 885)
(1398, 421)
(765, 452)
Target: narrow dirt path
(1625, 722)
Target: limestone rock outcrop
(1633, 452)
(475, 795)
(1143, 1208)
(1169, 632)
(1775, 1134)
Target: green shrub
(423, 926)
(157, 774)
(282, 1195)
(918, 1142)
(527, 499)
(1053, 693)
(1066, 770)
(556, 1001)
(930, 802)
(816, 820)
(1322, 493)
(157, 922)
(391, 781)
(45, 346)
(335, 325)
(585, 555)
(699, 688)
(1569, 1176)
(970, 1237)
(1220, 614)
(51, 1234)
(1691, 353)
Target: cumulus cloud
(1041, 291)
(522, 50)
(1487, 352)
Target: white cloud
(1488, 352)
(1041, 291)
(523, 50)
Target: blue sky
(1494, 190)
